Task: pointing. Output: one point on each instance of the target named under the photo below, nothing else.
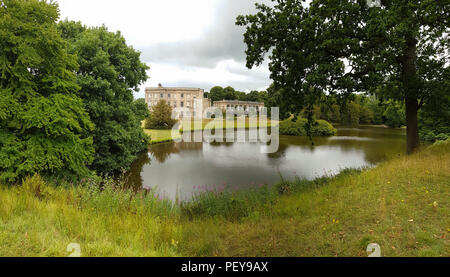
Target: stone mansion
(190, 98)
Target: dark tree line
(219, 93)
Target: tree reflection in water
(163, 151)
(187, 165)
(133, 178)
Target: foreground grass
(403, 205)
(107, 223)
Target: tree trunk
(411, 87)
(412, 128)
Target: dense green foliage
(218, 93)
(397, 51)
(109, 72)
(361, 109)
(299, 128)
(160, 117)
(44, 127)
(434, 118)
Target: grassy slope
(391, 205)
(104, 225)
(403, 205)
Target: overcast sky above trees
(186, 43)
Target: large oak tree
(398, 50)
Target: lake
(185, 169)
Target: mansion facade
(183, 99)
(193, 99)
(244, 106)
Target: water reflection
(188, 168)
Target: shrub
(298, 128)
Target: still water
(185, 169)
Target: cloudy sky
(191, 43)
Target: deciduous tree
(397, 51)
(109, 72)
(44, 127)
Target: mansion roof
(237, 102)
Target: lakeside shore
(401, 204)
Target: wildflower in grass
(146, 187)
(174, 243)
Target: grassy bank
(403, 205)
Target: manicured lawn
(402, 204)
(159, 136)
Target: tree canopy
(109, 71)
(44, 127)
(219, 93)
(396, 51)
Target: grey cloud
(238, 85)
(221, 41)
